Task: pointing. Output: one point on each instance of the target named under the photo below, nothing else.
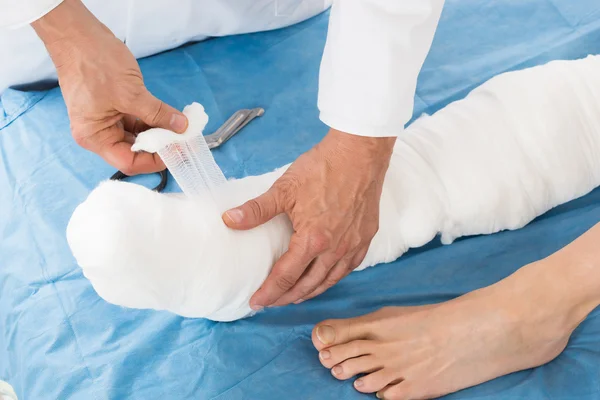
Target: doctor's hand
(103, 88)
(331, 194)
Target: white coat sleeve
(373, 55)
(16, 13)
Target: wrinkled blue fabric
(59, 340)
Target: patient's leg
(520, 322)
(514, 148)
(429, 351)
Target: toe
(355, 366)
(332, 332)
(336, 354)
(377, 381)
(400, 391)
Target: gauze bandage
(515, 147)
(186, 155)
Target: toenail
(358, 383)
(337, 370)
(325, 355)
(326, 334)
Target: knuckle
(155, 113)
(255, 207)
(285, 282)
(319, 242)
(284, 191)
(299, 247)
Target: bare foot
(423, 352)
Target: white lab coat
(374, 52)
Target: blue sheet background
(59, 340)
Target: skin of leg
(424, 352)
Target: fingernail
(325, 355)
(256, 307)
(378, 395)
(358, 383)
(236, 215)
(337, 370)
(178, 122)
(298, 301)
(326, 334)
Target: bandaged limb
(519, 145)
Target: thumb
(254, 212)
(159, 115)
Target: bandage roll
(186, 155)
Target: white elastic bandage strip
(192, 165)
(186, 155)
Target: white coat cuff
(14, 16)
(358, 128)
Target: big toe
(333, 332)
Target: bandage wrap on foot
(517, 146)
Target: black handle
(164, 179)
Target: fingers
(255, 212)
(313, 277)
(120, 156)
(286, 271)
(339, 271)
(116, 150)
(336, 274)
(157, 114)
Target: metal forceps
(233, 125)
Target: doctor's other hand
(331, 195)
(103, 88)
